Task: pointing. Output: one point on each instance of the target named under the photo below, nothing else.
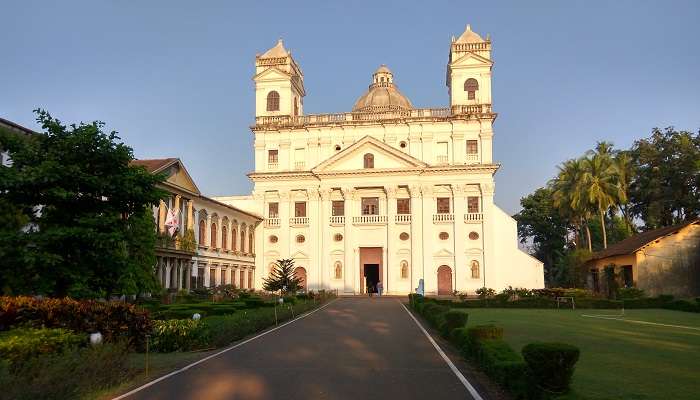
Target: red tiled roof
(634, 243)
(16, 127)
(153, 165)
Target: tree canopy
(79, 215)
(282, 278)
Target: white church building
(386, 192)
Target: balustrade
(299, 221)
(337, 220)
(369, 219)
(272, 222)
(473, 217)
(402, 218)
(443, 218)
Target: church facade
(386, 192)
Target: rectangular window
(403, 206)
(200, 278)
(443, 205)
(370, 206)
(627, 276)
(223, 277)
(338, 208)
(273, 210)
(212, 277)
(272, 156)
(472, 147)
(300, 209)
(473, 204)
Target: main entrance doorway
(371, 275)
(444, 278)
(370, 269)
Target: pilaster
(490, 278)
(459, 236)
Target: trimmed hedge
(71, 374)
(453, 319)
(503, 364)
(115, 320)
(19, 345)
(551, 365)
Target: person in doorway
(380, 288)
(370, 289)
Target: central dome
(382, 94)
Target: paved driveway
(355, 348)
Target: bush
(435, 314)
(630, 293)
(551, 365)
(179, 335)
(18, 345)
(453, 319)
(115, 320)
(479, 333)
(503, 364)
(69, 375)
(682, 305)
(485, 293)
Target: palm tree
(624, 170)
(599, 186)
(568, 196)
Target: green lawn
(619, 360)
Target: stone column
(315, 269)
(286, 159)
(190, 215)
(285, 239)
(460, 237)
(429, 269)
(324, 239)
(162, 211)
(349, 253)
(207, 232)
(485, 148)
(490, 278)
(391, 268)
(416, 267)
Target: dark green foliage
(453, 319)
(179, 334)
(282, 278)
(19, 345)
(503, 364)
(551, 365)
(115, 320)
(682, 305)
(71, 374)
(94, 235)
(630, 293)
(435, 314)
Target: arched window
(338, 270)
(202, 232)
(224, 237)
(404, 269)
(243, 239)
(273, 101)
(250, 243)
(369, 160)
(234, 238)
(212, 238)
(471, 86)
(475, 269)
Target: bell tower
(279, 83)
(469, 69)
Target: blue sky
(174, 77)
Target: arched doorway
(444, 277)
(300, 273)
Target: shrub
(479, 333)
(485, 293)
(453, 319)
(115, 320)
(682, 305)
(435, 314)
(630, 293)
(19, 345)
(179, 335)
(503, 364)
(69, 375)
(551, 365)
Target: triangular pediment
(299, 255)
(176, 175)
(471, 60)
(385, 158)
(443, 253)
(272, 74)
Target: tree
(282, 278)
(666, 187)
(599, 187)
(568, 195)
(540, 222)
(87, 228)
(625, 171)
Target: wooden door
(444, 277)
(300, 273)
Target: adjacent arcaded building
(386, 192)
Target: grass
(619, 360)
